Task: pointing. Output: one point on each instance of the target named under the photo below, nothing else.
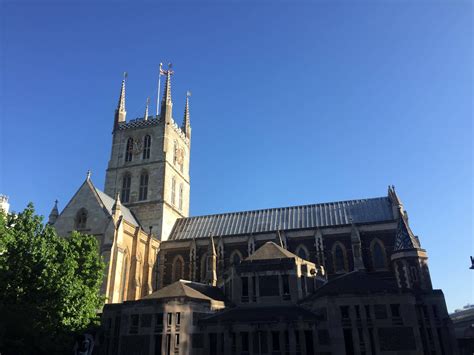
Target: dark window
(129, 150)
(143, 192)
(339, 263)
(180, 197)
(178, 318)
(145, 320)
(302, 253)
(235, 259)
(308, 338)
(197, 340)
(344, 312)
(357, 309)
(245, 287)
(435, 311)
(380, 311)
(286, 287)
(275, 341)
(348, 342)
(244, 336)
(176, 340)
(268, 285)
(378, 256)
(81, 219)
(286, 338)
(395, 309)
(146, 147)
(170, 319)
(134, 319)
(367, 311)
(323, 337)
(159, 321)
(126, 182)
(396, 339)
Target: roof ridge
(286, 207)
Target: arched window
(173, 190)
(204, 266)
(81, 219)
(126, 183)
(235, 258)
(178, 268)
(129, 150)
(180, 197)
(175, 152)
(378, 255)
(143, 192)
(302, 252)
(146, 147)
(339, 258)
(123, 282)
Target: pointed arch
(177, 269)
(339, 258)
(379, 257)
(173, 190)
(146, 147)
(126, 183)
(81, 219)
(204, 265)
(235, 257)
(143, 190)
(129, 150)
(302, 252)
(180, 196)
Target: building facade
(328, 278)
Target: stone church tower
(149, 164)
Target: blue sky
(293, 103)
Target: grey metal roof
(108, 203)
(287, 218)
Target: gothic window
(146, 147)
(180, 197)
(129, 150)
(339, 258)
(173, 190)
(123, 281)
(378, 255)
(302, 252)
(178, 268)
(143, 192)
(204, 267)
(175, 152)
(235, 257)
(81, 219)
(126, 182)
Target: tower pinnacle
(146, 109)
(166, 111)
(120, 112)
(186, 127)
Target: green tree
(49, 285)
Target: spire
(120, 112)
(186, 127)
(166, 111)
(146, 109)
(53, 216)
(356, 248)
(88, 175)
(117, 204)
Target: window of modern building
(176, 340)
(145, 321)
(170, 319)
(129, 150)
(395, 310)
(245, 288)
(276, 341)
(146, 147)
(126, 183)
(173, 190)
(178, 318)
(134, 319)
(143, 192)
(244, 337)
(158, 321)
(81, 219)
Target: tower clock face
(137, 146)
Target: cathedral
(345, 277)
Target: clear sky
(293, 103)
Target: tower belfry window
(129, 150)
(173, 191)
(143, 192)
(146, 147)
(126, 182)
(180, 197)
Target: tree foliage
(49, 285)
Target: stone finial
(88, 175)
(53, 216)
(146, 109)
(166, 103)
(120, 111)
(186, 127)
(356, 248)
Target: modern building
(463, 321)
(327, 278)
